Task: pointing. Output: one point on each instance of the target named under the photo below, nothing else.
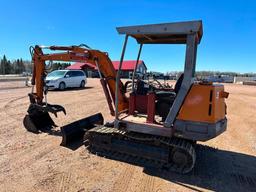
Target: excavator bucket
(75, 131)
(38, 118)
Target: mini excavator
(157, 124)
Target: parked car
(62, 79)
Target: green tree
(27, 66)
(1, 66)
(20, 66)
(14, 66)
(6, 66)
(58, 65)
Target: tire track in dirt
(23, 166)
(9, 106)
(22, 161)
(9, 88)
(13, 100)
(124, 179)
(148, 183)
(10, 100)
(6, 99)
(65, 182)
(47, 182)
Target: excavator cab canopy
(165, 33)
(189, 33)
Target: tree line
(19, 66)
(214, 73)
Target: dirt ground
(36, 162)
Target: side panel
(199, 131)
(204, 103)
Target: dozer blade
(75, 131)
(38, 117)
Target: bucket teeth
(54, 109)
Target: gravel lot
(36, 162)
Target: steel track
(143, 149)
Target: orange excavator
(157, 124)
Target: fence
(13, 81)
(244, 79)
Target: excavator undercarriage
(164, 152)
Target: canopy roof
(165, 33)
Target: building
(89, 69)
(126, 72)
(128, 67)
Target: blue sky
(228, 44)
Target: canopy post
(189, 70)
(118, 77)
(135, 68)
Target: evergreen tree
(3, 65)
(28, 66)
(17, 71)
(6, 66)
(22, 66)
(15, 66)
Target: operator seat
(165, 99)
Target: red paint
(127, 65)
(141, 103)
(79, 66)
(137, 103)
(132, 104)
(144, 104)
(151, 108)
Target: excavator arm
(78, 54)
(38, 110)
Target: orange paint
(200, 106)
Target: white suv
(61, 79)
